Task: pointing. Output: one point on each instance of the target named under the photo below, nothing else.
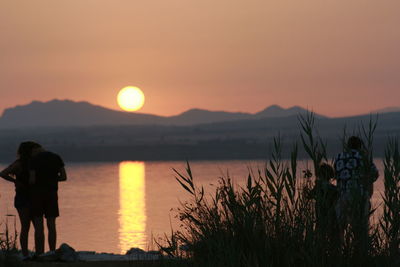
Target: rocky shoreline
(66, 253)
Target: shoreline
(67, 256)
(155, 263)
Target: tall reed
(8, 244)
(390, 221)
(272, 220)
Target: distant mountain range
(386, 110)
(80, 131)
(67, 113)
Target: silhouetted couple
(36, 174)
(347, 203)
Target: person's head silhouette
(25, 149)
(325, 172)
(355, 142)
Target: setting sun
(130, 98)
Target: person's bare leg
(39, 235)
(52, 233)
(25, 220)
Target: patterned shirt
(350, 172)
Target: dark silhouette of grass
(8, 245)
(390, 221)
(271, 221)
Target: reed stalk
(271, 220)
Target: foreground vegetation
(272, 220)
(8, 243)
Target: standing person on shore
(325, 195)
(46, 170)
(18, 173)
(355, 174)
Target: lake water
(111, 207)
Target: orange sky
(339, 57)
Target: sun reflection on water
(132, 213)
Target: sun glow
(130, 98)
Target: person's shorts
(44, 204)
(21, 200)
(342, 209)
(345, 208)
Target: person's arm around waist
(7, 177)
(6, 173)
(63, 175)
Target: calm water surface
(111, 207)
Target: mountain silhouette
(277, 111)
(386, 110)
(67, 113)
(194, 134)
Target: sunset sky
(338, 57)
